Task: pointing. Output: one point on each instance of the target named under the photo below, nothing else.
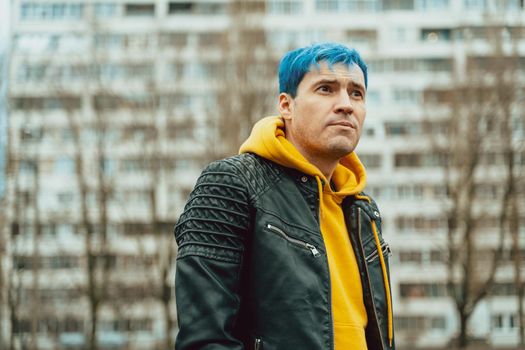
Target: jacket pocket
(385, 248)
(313, 249)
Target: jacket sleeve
(210, 235)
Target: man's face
(326, 116)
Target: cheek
(361, 115)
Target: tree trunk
(514, 231)
(35, 259)
(168, 321)
(463, 335)
(93, 326)
(86, 227)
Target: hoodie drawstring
(320, 189)
(385, 277)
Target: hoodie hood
(267, 140)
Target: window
(134, 165)
(65, 198)
(64, 166)
(31, 72)
(410, 256)
(178, 100)
(180, 7)
(182, 130)
(419, 160)
(508, 4)
(210, 39)
(108, 166)
(62, 262)
(49, 229)
(419, 223)
(109, 41)
(139, 133)
(435, 35)
(22, 262)
(411, 191)
(139, 10)
(411, 65)
(398, 4)
(31, 135)
(348, 5)
(39, 103)
(406, 96)
(436, 256)
(432, 5)
(140, 41)
(475, 4)
(105, 10)
(410, 323)
(497, 321)
(128, 325)
(135, 228)
(283, 40)
(504, 289)
(513, 322)
(285, 7)
(27, 167)
(396, 128)
(361, 37)
(422, 290)
(373, 97)
(372, 161)
(109, 102)
(200, 8)
(327, 5)
(438, 323)
(53, 11)
(35, 42)
(173, 40)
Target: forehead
(339, 71)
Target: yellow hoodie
(348, 310)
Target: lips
(345, 123)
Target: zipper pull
(258, 343)
(388, 250)
(313, 249)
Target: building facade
(109, 127)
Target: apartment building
(135, 80)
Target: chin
(346, 146)
(340, 151)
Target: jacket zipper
(368, 275)
(385, 248)
(307, 245)
(258, 344)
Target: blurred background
(109, 110)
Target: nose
(344, 103)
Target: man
(279, 249)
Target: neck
(325, 164)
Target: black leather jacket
(252, 270)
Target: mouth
(345, 123)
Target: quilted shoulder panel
(216, 216)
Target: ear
(285, 105)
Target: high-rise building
(109, 127)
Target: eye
(357, 93)
(324, 89)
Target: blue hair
(295, 64)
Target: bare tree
(242, 95)
(481, 105)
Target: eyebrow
(334, 81)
